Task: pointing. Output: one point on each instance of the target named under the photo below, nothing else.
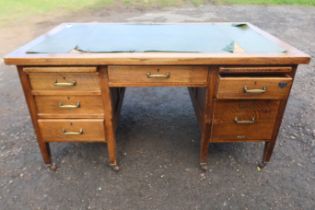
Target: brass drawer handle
(65, 84)
(69, 106)
(241, 137)
(65, 132)
(255, 91)
(160, 76)
(251, 121)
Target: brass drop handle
(241, 137)
(255, 91)
(65, 84)
(159, 75)
(69, 106)
(80, 132)
(251, 121)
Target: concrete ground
(158, 137)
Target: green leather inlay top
(183, 38)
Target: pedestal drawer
(69, 106)
(65, 130)
(64, 81)
(253, 87)
(244, 120)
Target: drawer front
(63, 81)
(69, 106)
(253, 87)
(85, 130)
(255, 69)
(157, 75)
(244, 120)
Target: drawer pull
(65, 84)
(159, 76)
(65, 132)
(255, 91)
(237, 121)
(69, 106)
(241, 137)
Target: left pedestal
(72, 104)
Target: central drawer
(85, 130)
(69, 106)
(244, 120)
(157, 75)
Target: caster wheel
(261, 165)
(114, 167)
(52, 167)
(204, 166)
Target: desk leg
(111, 147)
(43, 146)
(269, 145)
(204, 145)
(45, 151)
(108, 119)
(202, 100)
(199, 97)
(207, 117)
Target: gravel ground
(158, 137)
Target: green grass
(160, 3)
(12, 9)
(271, 2)
(17, 9)
(200, 2)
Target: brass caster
(204, 166)
(52, 167)
(261, 165)
(115, 167)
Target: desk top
(182, 43)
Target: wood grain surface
(234, 87)
(169, 75)
(53, 130)
(81, 106)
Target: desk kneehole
(157, 75)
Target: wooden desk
(74, 87)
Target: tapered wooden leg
(111, 147)
(202, 100)
(269, 146)
(204, 145)
(199, 97)
(109, 119)
(45, 151)
(46, 155)
(43, 146)
(206, 118)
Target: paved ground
(158, 136)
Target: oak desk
(239, 78)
